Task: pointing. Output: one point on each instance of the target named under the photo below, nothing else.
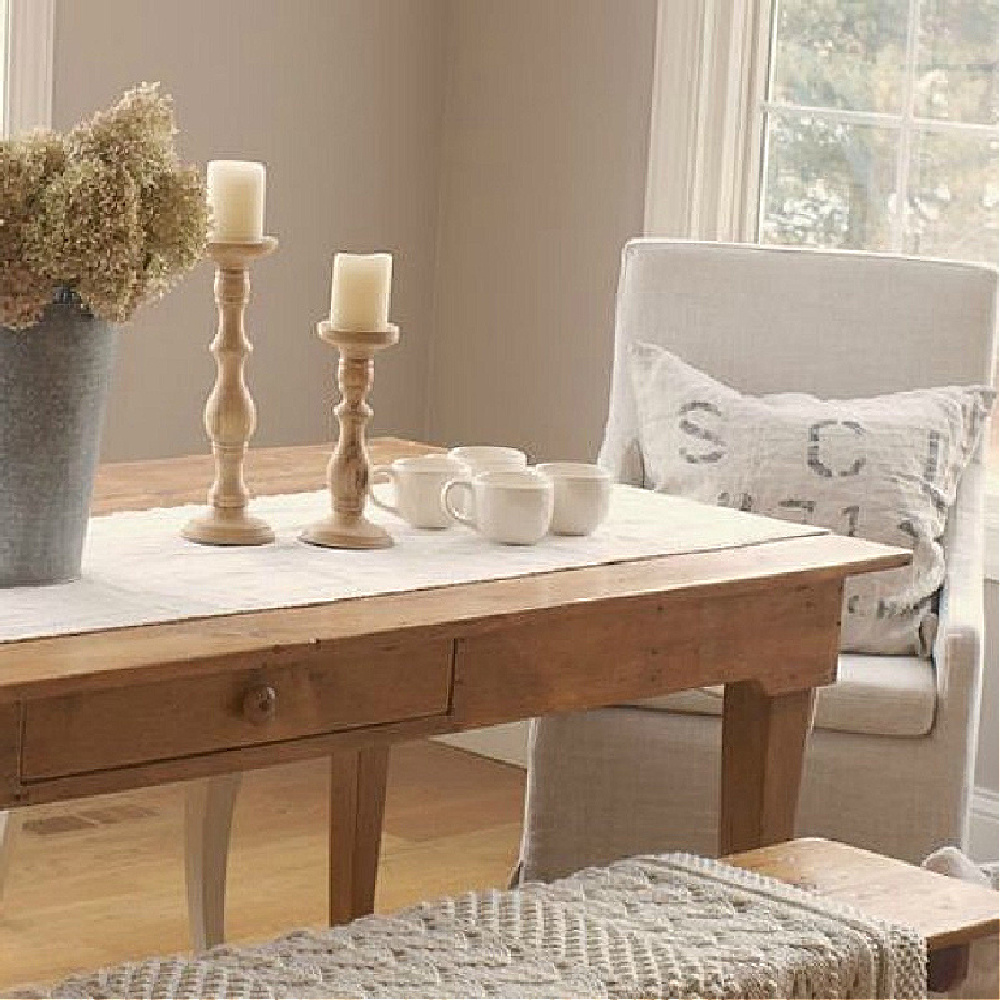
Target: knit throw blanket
(665, 926)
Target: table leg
(10, 825)
(947, 968)
(208, 818)
(357, 805)
(763, 749)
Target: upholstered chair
(890, 760)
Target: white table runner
(138, 570)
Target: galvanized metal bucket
(54, 380)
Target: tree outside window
(880, 127)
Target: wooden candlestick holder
(347, 474)
(230, 415)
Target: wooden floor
(101, 880)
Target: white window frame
(27, 91)
(704, 169)
(907, 122)
(3, 67)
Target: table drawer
(197, 714)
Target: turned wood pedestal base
(230, 414)
(347, 474)
(334, 534)
(221, 528)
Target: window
(3, 68)
(879, 126)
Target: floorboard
(101, 880)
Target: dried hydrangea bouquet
(93, 224)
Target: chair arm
(958, 647)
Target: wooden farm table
(105, 711)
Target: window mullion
(883, 119)
(846, 115)
(763, 120)
(906, 127)
(949, 125)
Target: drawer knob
(260, 704)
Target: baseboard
(507, 742)
(984, 826)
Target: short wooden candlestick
(347, 474)
(230, 415)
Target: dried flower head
(26, 169)
(137, 134)
(105, 211)
(90, 225)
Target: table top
(37, 667)
(946, 911)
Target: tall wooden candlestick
(230, 415)
(347, 474)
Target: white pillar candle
(236, 198)
(359, 297)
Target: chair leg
(208, 817)
(10, 824)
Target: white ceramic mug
(513, 506)
(417, 484)
(582, 496)
(486, 458)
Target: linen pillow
(886, 469)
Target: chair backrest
(767, 319)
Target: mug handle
(450, 510)
(378, 476)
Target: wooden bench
(951, 914)
(649, 926)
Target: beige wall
(506, 239)
(342, 99)
(543, 175)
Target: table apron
(783, 637)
